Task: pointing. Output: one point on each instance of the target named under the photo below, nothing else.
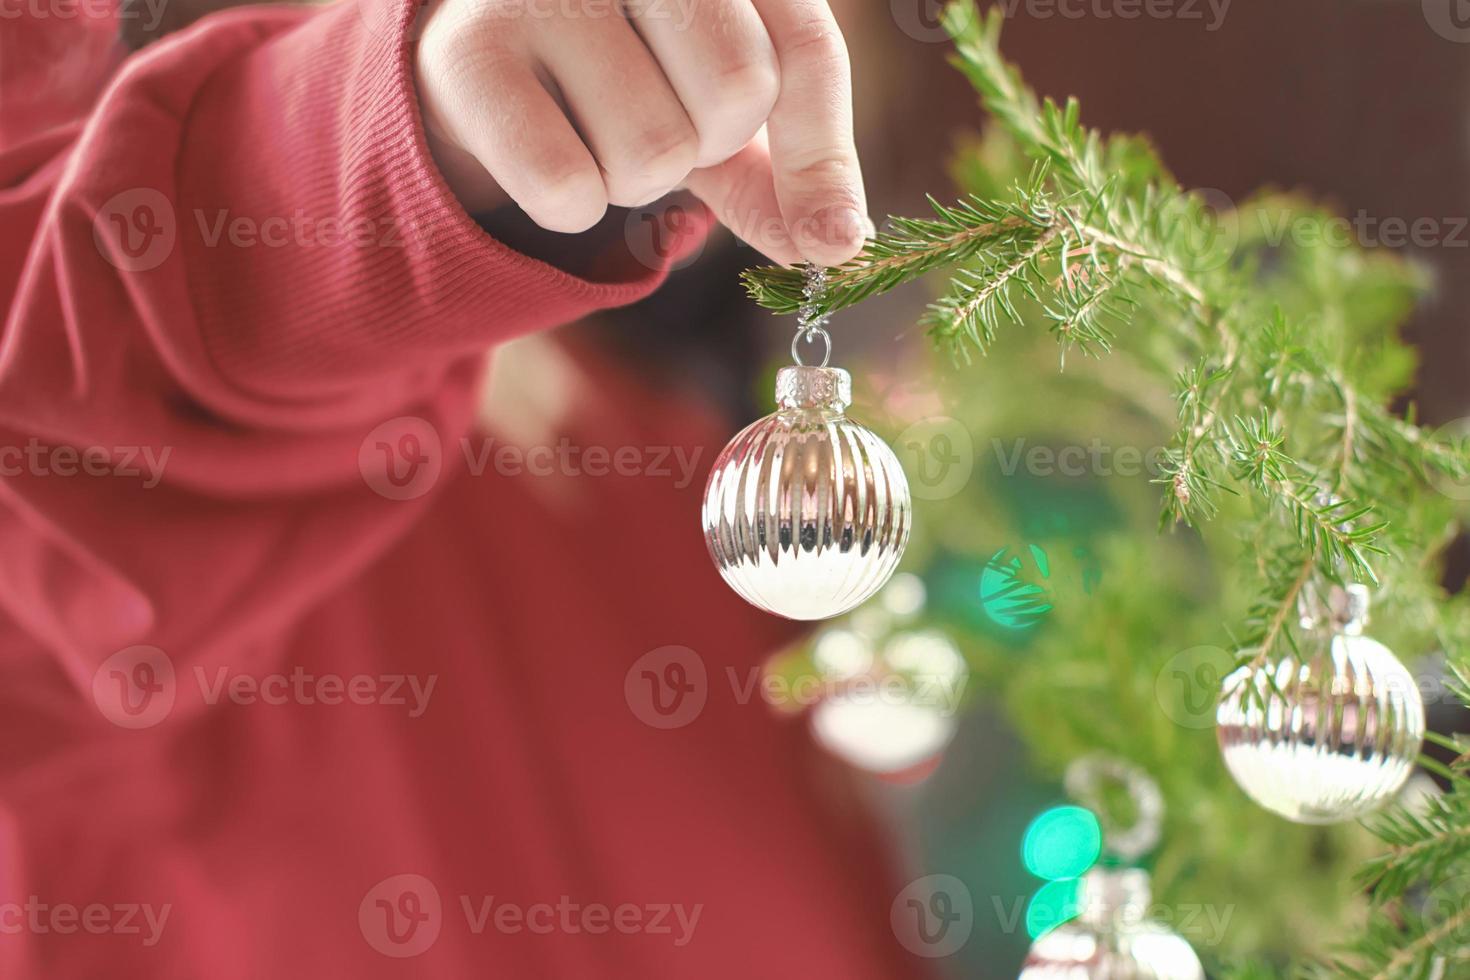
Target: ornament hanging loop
(811, 325)
(1327, 605)
(811, 336)
(1086, 780)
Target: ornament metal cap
(1105, 894)
(1336, 607)
(804, 387)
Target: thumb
(741, 192)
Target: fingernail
(842, 225)
(837, 227)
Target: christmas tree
(1259, 354)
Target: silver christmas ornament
(1330, 736)
(807, 512)
(1112, 937)
(892, 694)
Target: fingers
(818, 180)
(721, 65)
(565, 121)
(622, 104)
(741, 192)
(485, 100)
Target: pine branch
(908, 249)
(1427, 846)
(1043, 130)
(1276, 610)
(980, 299)
(1163, 272)
(1418, 956)
(1084, 300)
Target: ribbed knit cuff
(325, 125)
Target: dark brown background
(1363, 104)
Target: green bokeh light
(1062, 843)
(1008, 594)
(1054, 903)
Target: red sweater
(288, 691)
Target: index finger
(819, 183)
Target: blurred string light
(1018, 589)
(1007, 594)
(904, 596)
(1055, 903)
(1060, 845)
(1064, 843)
(842, 654)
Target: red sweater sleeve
(219, 284)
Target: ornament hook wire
(811, 325)
(1322, 603)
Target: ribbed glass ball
(1142, 951)
(1111, 939)
(1334, 739)
(807, 512)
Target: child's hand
(567, 106)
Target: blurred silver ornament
(1329, 736)
(892, 706)
(1112, 938)
(806, 512)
